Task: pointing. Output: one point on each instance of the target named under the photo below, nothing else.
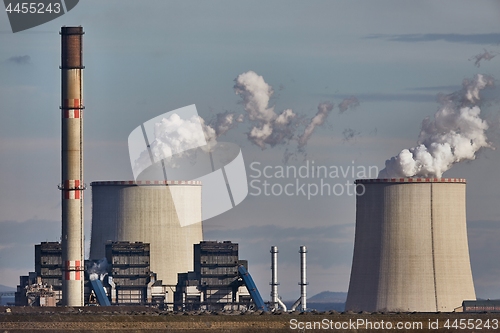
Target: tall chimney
(274, 278)
(303, 280)
(72, 167)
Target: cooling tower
(165, 214)
(410, 250)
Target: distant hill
(4, 289)
(328, 297)
(324, 301)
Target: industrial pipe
(274, 278)
(303, 282)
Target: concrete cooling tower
(166, 214)
(410, 250)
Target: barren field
(142, 319)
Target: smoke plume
(177, 136)
(482, 56)
(20, 60)
(319, 119)
(455, 134)
(349, 134)
(268, 128)
(98, 269)
(174, 135)
(347, 103)
(223, 123)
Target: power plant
(410, 251)
(147, 246)
(72, 164)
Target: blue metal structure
(252, 288)
(99, 292)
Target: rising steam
(455, 134)
(482, 56)
(350, 102)
(97, 269)
(319, 119)
(175, 136)
(268, 128)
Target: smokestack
(276, 302)
(72, 166)
(274, 277)
(303, 282)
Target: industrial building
(485, 305)
(149, 212)
(48, 266)
(410, 251)
(44, 286)
(215, 283)
(128, 272)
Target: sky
(146, 58)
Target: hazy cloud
(349, 102)
(20, 60)
(436, 88)
(482, 56)
(490, 38)
(388, 97)
(349, 134)
(327, 245)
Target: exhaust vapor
(455, 134)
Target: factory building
(164, 214)
(128, 273)
(48, 266)
(411, 251)
(215, 283)
(44, 286)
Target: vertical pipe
(303, 281)
(274, 278)
(72, 167)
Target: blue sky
(146, 58)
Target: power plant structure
(164, 214)
(302, 301)
(72, 165)
(410, 254)
(410, 251)
(276, 302)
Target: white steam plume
(347, 103)
(455, 134)
(176, 136)
(268, 127)
(319, 119)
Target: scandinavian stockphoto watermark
(308, 180)
(25, 15)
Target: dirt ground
(143, 319)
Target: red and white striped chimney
(72, 165)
